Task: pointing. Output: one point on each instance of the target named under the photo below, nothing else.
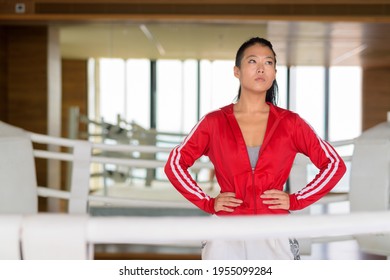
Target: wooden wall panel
(74, 89)
(376, 96)
(3, 76)
(74, 94)
(27, 77)
(26, 84)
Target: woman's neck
(248, 104)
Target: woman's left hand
(276, 199)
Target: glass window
(189, 96)
(177, 102)
(169, 95)
(308, 96)
(219, 86)
(112, 89)
(345, 116)
(138, 92)
(206, 87)
(177, 91)
(281, 78)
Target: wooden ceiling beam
(88, 10)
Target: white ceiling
(295, 43)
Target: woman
(252, 145)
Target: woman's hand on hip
(226, 202)
(276, 199)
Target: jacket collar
(275, 116)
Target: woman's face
(257, 71)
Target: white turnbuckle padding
(10, 226)
(54, 237)
(18, 184)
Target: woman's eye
(252, 61)
(270, 62)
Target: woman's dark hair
(272, 92)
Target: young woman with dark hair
(252, 144)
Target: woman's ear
(236, 72)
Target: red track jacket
(218, 136)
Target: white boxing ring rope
(180, 231)
(44, 139)
(128, 202)
(163, 230)
(189, 230)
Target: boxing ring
(27, 234)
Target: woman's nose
(260, 70)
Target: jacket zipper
(254, 190)
(253, 181)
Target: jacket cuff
(210, 206)
(293, 202)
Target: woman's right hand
(226, 202)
